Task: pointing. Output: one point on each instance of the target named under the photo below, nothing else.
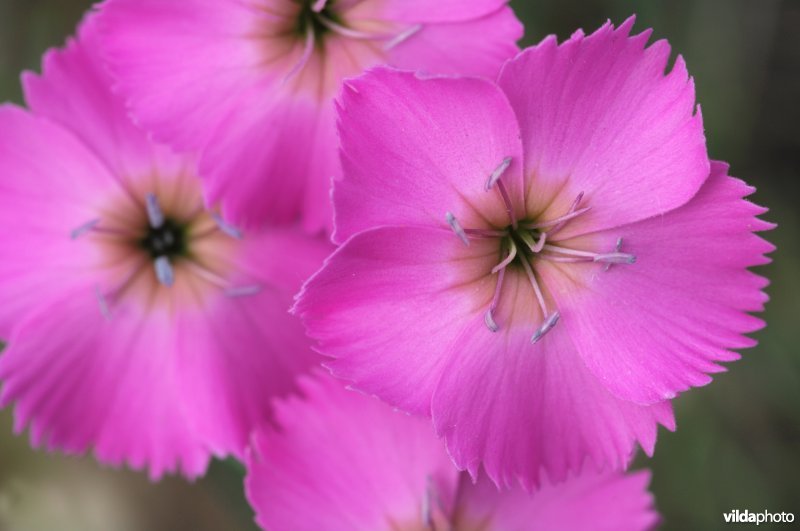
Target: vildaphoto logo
(746, 517)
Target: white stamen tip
(401, 37)
(101, 301)
(164, 271)
(226, 227)
(547, 325)
(83, 229)
(456, 226)
(154, 214)
(497, 173)
(488, 318)
(318, 6)
(243, 291)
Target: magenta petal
(453, 48)
(652, 329)
(415, 148)
(342, 460)
(77, 379)
(598, 115)
(385, 304)
(599, 501)
(239, 352)
(521, 409)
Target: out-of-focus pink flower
(541, 264)
(345, 461)
(138, 322)
(250, 85)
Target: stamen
(534, 246)
(401, 37)
(612, 258)
(154, 214)
(456, 226)
(427, 503)
(488, 318)
(226, 227)
(308, 49)
(164, 272)
(535, 285)
(617, 248)
(101, 301)
(512, 253)
(243, 291)
(507, 200)
(572, 209)
(557, 221)
(83, 229)
(497, 173)
(318, 6)
(616, 258)
(546, 326)
(348, 32)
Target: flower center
(522, 243)
(157, 248)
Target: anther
(243, 291)
(83, 229)
(456, 226)
(615, 258)
(617, 248)
(497, 173)
(164, 272)
(488, 317)
(154, 214)
(226, 227)
(401, 37)
(101, 301)
(546, 326)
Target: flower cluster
(529, 255)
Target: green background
(738, 439)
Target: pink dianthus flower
(250, 84)
(138, 322)
(539, 264)
(344, 461)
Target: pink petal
(605, 501)
(169, 59)
(415, 148)
(424, 10)
(387, 304)
(241, 351)
(50, 184)
(82, 381)
(342, 460)
(453, 49)
(598, 115)
(520, 408)
(652, 329)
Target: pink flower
(344, 461)
(541, 264)
(250, 85)
(139, 323)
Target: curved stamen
(546, 326)
(613, 258)
(535, 285)
(348, 32)
(533, 245)
(557, 221)
(456, 226)
(308, 49)
(226, 227)
(512, 253)
(488, 317)
(401, 37)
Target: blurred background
(738, 440)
